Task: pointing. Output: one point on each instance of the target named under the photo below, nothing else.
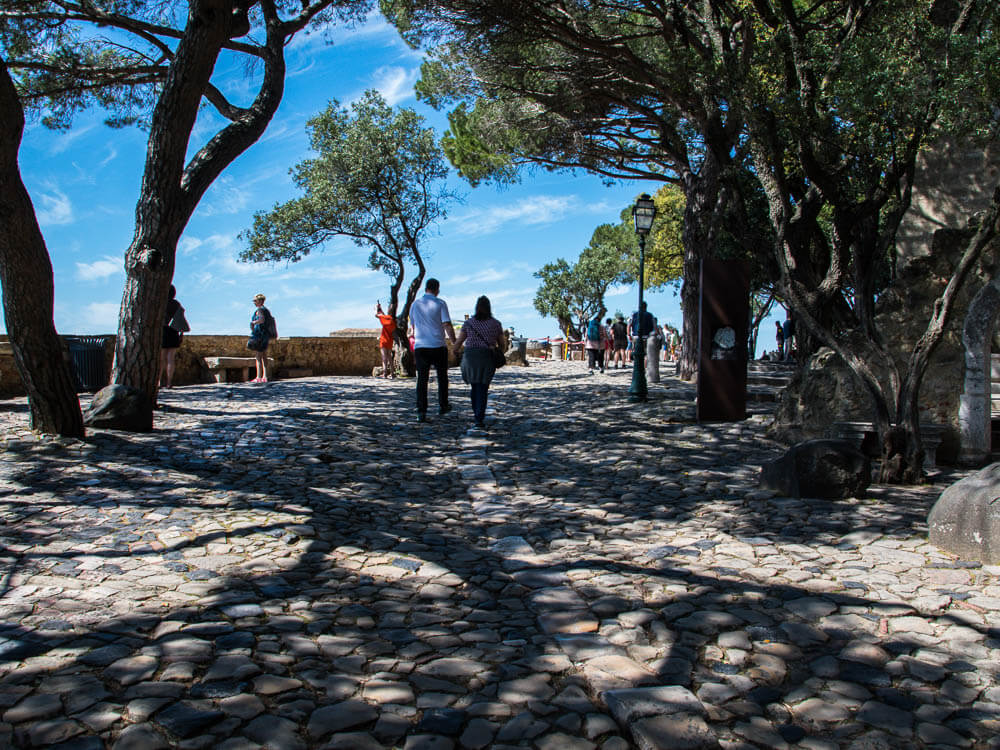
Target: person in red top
(388, 322)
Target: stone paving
(302, 565)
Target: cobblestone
(302, 565)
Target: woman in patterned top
(480, 334)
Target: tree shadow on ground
(358, 571)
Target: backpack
(594, 330)
(270, 325)
(619, 330)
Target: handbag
(179, 322)
(256, 344)
(499, 358)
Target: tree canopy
(377, 178)
(830, 101)
(145, 62)
(573, 294)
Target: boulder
(515, 356)
(120, 407)
(965, 520)
(818, 468)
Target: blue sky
(84, 184)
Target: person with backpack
(619, 336)
(174, 327)
(263, 328)
(788, 333)
(595, 338)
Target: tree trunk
(402, 348)
(170, 191)
(701, 193)
(28, 288)
(755, 321)
(908, 409)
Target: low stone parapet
(223, 369)
(865, 437)
(294, 356)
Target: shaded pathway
(311, 569)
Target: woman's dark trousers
(480, 392)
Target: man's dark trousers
(425, 359)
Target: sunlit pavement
(301, 564)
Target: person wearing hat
(263, 328)
(619, 335)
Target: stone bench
(864, 436)
(222, 367)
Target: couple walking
(431, 322)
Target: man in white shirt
(431, 321)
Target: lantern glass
(643, 212)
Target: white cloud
(541, 209)
(101, 316)
(112, 154)
(394, 83)
(226, 196)
(332, 273)
(188, 245)
(99, 269)
(68, 139)
(482, 277)
(320, 321)
(56, 208)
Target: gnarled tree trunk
(170, 191)
(28, 289)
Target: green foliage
(67, 57)
(665, 246)
(377, 179)
(574, 294)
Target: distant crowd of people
(613, 342)
(784, 337)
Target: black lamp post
(643, 212)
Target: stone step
(777, 381)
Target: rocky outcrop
(818, 468)
(966, 518)
(825, 391)
(120, 407)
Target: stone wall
(825, 391)
(952, 183)
(322, 355)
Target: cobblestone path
(302, 565)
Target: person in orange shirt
(388, 322)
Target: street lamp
(643, 213)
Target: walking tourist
(641, 329)
(619, 334)
(653, 342)
(788, 329)
(263, 328)
(430, 322)
(779, 339)
(675, 344)
(594, 343)
(481, 334)
(608, 343)
(385, 338)
(175, 325)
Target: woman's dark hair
(483, 309)
(173, 292)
